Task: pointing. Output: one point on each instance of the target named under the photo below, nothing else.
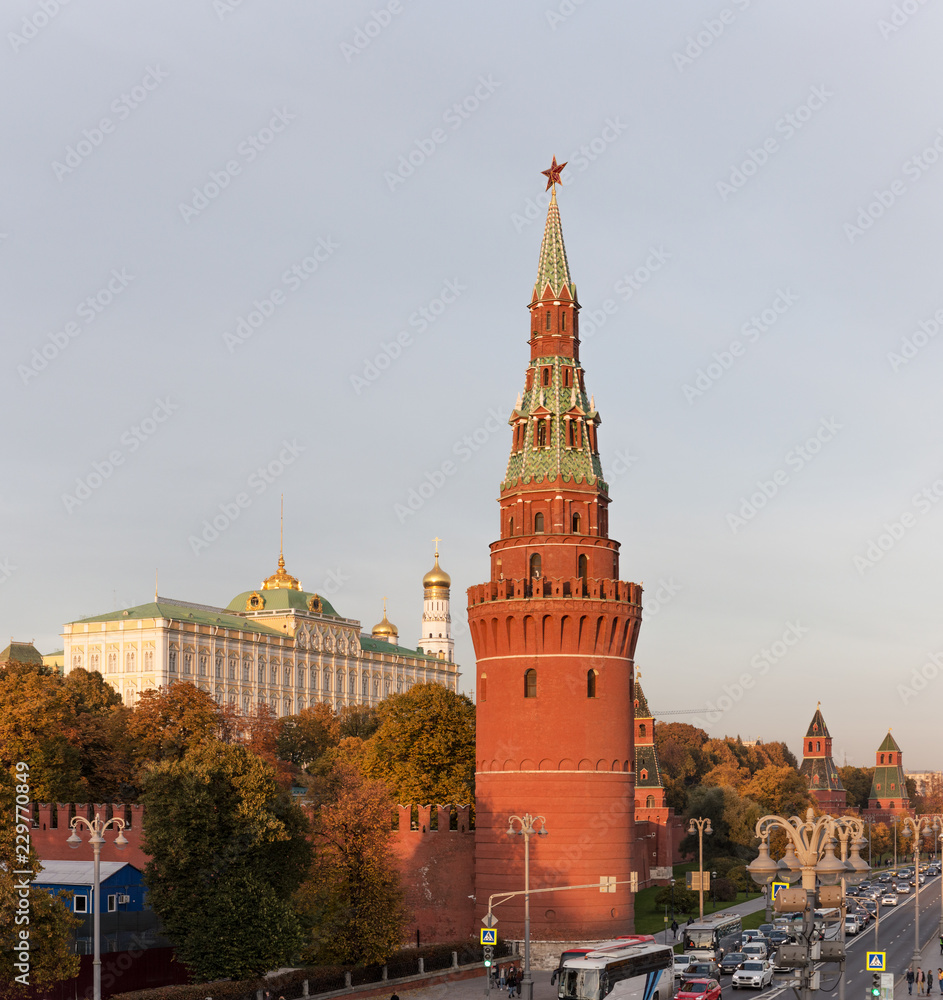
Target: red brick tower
(554, 632)
(818, 768)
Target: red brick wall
(49, 838)
(438, 868)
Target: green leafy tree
(228, 852)
(678, 898)
(424, 747)
(857, 783)
(733, 821)
(51, 921)
(353, 898)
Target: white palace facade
(279, 646)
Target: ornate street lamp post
(918, 826)
(96, 827)
(529, 825)
(702, 825)
(810, 855)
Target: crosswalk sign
(489, 935)
(775, 888)
(876, 961)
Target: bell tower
(554, 632)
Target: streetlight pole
(810, 854)
(528, 827)
(918, 825)
(702, 825)
(96, 827)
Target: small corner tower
(648, 786)
(554, 631)
(436, 637)
(818, 769)
(888, 796)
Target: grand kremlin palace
(279, 646)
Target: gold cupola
(436, 578)
(385, 629)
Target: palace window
(246, 668)
(129, 662)
(76, 660)
(530, 683)
(219, 666)
(274, 675)
(202, 664)
(187, 663)
(93, 661)
(171, 662)
(301, 677)
(288, 675)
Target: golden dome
(385, 629)
(280, 580)
(437, 577)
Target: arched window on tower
(641, 730)
(545, 376)
(810, 746)
(562, 321)
(548, 319)
(535, 565)
(882, 756)
(577, 524)
(567, 373)
(541, 433)
(591, 683)
(538, 523)
(582, 569)
(650, 802)
(530, 683)
(483, 688)
(818, 746)
(511, 526)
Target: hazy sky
(254, 247)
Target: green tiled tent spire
(552, 268)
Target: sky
(250, 249)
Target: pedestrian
(920, 982)
(502, 977)
(394, 997)
(939, 976)
(674, 928)
(512, 982)
(910, 981)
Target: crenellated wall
(434, 847)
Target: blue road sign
(489, 935)
(876, 961)
(775, 887)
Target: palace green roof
(182, 613)
(282, 599)
(372, 645)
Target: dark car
(701, 970)
(777, 938)
(731, 962)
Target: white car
(756, 949)
(903, 888)
(852, 924)
(889, 899)
(753, 973)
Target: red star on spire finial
(553, 174)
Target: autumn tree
(168, 722)
(51, 921)
(353, 898)
(779, 790)
(424, 747)
(733, 821)
(358, 720)
(301, 739)
(229, 849)
(881, 842)
(35, 727)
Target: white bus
(713, 937)
(622, 969)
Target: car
(702, 970)
(757, 948)
(765, 929)
(753, 973)
(732, 961)
(681, 962)
(699, 989)
(903, 888)
(777, 938)
(889, 899)
(852, 924)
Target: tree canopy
(424, 747)
(228, 851)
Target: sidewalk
(931, 958)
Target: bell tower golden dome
(436, 577)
